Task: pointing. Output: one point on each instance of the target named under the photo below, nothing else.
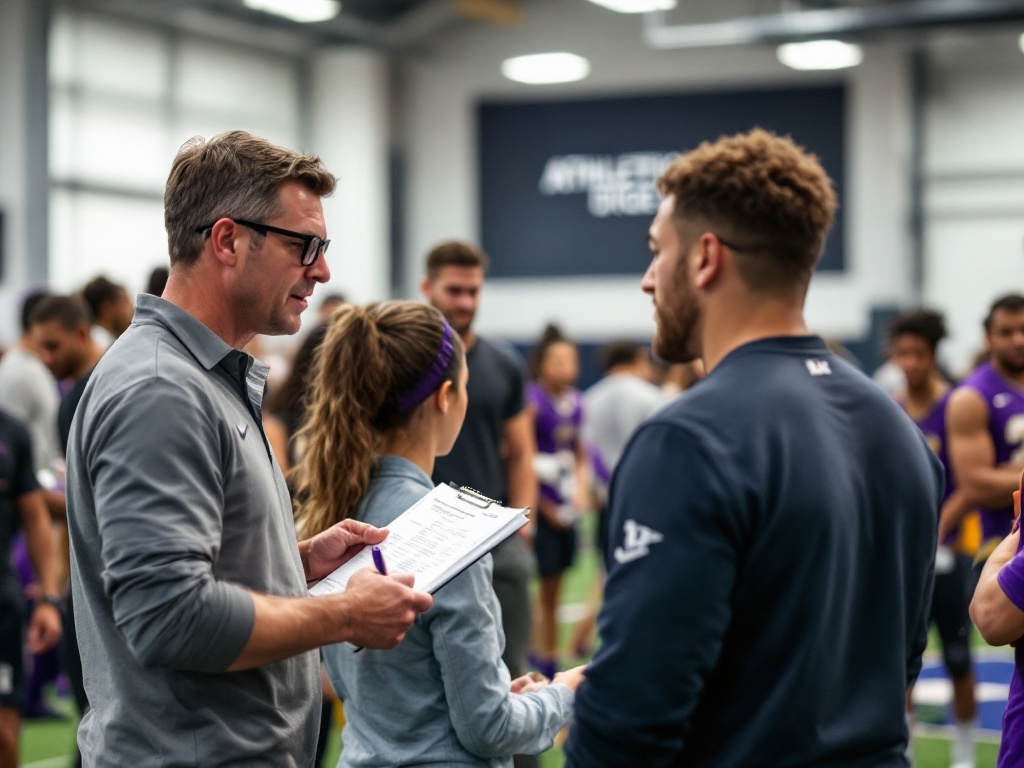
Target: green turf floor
(49, 744)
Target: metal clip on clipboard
(474, 497)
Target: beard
(1013, 365)
(677, 338)
(460, 320)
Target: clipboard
(438, 537)
(473, 496)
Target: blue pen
(378, 560)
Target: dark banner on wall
(567, 188)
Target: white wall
(350, 130)
(124, 98)
(440, 92)
(22, 155)
(974, 192)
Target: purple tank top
(557, 430)
(933, 425)
(1005, 403)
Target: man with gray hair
(193, 620)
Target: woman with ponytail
(556, 407)
(389, 396)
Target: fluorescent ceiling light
(820, 54)
(1021, 43)
(542, 68)
(303, 11)
(636, 6)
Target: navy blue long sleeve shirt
(769, 573)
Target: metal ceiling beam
(233, 22)
(845, 22)
(419, 22)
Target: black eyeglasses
(313, 245)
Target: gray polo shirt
(176, 511)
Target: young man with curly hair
(772, 532)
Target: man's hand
(382, 608)
(336, 546)
(571, 677)
(528, 683)
(44, 628)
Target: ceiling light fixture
(302, 11)
(636, 6)
(820, 54)
(1021, 43)
(544, 68)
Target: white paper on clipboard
(437, 538)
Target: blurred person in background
(22, 505)
(556, 409)
(29, 392)
(60, 329)
(494, 451)
(157, 281)
(328, 304)
(679, 377)
(111, 309)
(985, 421)
(913, 340)
(286, 405)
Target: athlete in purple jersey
(986, 423)
(561, 471)
(914, 337)
(998, 611)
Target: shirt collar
(205, 345)
(397, 466)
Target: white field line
(50, 762)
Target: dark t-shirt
(495, 394)
(17, 477)
(68, 406)
(772, 540)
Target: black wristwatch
(56, 602)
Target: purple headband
(432, 379)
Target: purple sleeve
(533, 395)
(1011, 579)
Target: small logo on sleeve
(818, 367)
(6, 679)
(637, 542)
(242, 430)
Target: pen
(378, 560)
